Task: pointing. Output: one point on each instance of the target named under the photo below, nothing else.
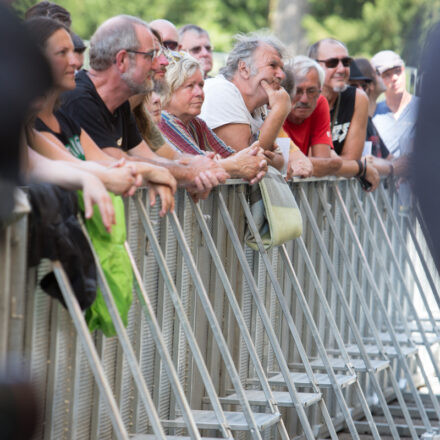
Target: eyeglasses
(363, 85)
(150, 54)
(312, 92)
(331, 63)
(170, 44)
(197, 49)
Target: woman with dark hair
(60, 134)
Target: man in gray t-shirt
(396, 116)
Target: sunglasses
(170, 44)
(197, 49)
(331, 63)
(150, 54)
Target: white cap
(386, 60)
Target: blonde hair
(178, 71)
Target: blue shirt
(397, 133)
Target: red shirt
(313, 130)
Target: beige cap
(386, 60)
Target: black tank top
(343, 118)
(69, 134)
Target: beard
(160, 86)
(339, 89)
(143, 88)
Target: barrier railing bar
(402, 279)
(269, 330)
(406, 292)
(352, 323)
(90, 350)
(186, 326)
(162, 349)
(215, 327)
(238, 315)
(293, 330)
(126, 344)
(382, 308)
(408, 258)
(346, 308)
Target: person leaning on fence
(190, 134)
(362, 75)
(308, 123)
(121, 56)
(348, 111)
(61, 134)
(195, 40)
(236, 99)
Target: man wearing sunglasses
(195, 40)
(168, 33)
(348, 111)
(122, 60)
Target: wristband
(361, 168)
(365, 169)
(391, 173)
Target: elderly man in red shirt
(308, 123)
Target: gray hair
(192, 28)
(244, 50)
(115, 34)
(314, 48)
(300, 66)
(178, 72)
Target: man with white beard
(348, 110)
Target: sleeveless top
(341, 121)
(69, 134)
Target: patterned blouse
(192, 138)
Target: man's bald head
(313, 51)
(167, 30)
(115, 34)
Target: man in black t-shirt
(121, 55)
(348, 110)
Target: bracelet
(361, 168)
(365, 170)
(391, 173)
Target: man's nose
(280, 73)
(163, 60)
(340, 67)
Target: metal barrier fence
(304, 340)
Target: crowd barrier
(336, 330)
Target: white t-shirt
(225, 105)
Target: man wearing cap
(396, 116)
(362, 76)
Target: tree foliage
(370, 26)
(222, 18)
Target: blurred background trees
(366, 26)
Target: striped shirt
(192, 138)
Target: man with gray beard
(348, 111)
(122, 53)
